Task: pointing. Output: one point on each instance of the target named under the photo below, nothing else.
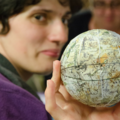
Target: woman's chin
(45, 72)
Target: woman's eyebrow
(68, 13)
(50, 11)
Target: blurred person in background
(101, 14)
(32, 34)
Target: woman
(32, 34)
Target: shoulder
(17, 103)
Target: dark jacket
(79, 23)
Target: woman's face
(107, 14)
(36, 37)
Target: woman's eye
(65, 21)
(40, 17)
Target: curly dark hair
(11, 7)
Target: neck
(24, 75)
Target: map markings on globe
(90, 68)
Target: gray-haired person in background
(100, 14)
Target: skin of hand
(62, 106)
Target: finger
(56, 77)
(60, 100)
(65, 93)
(50, 102)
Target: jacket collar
(8, 70)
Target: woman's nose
(58, 32)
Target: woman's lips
(52, 53)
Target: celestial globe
(90, 68)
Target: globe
(90, 68)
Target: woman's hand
(62, 106)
